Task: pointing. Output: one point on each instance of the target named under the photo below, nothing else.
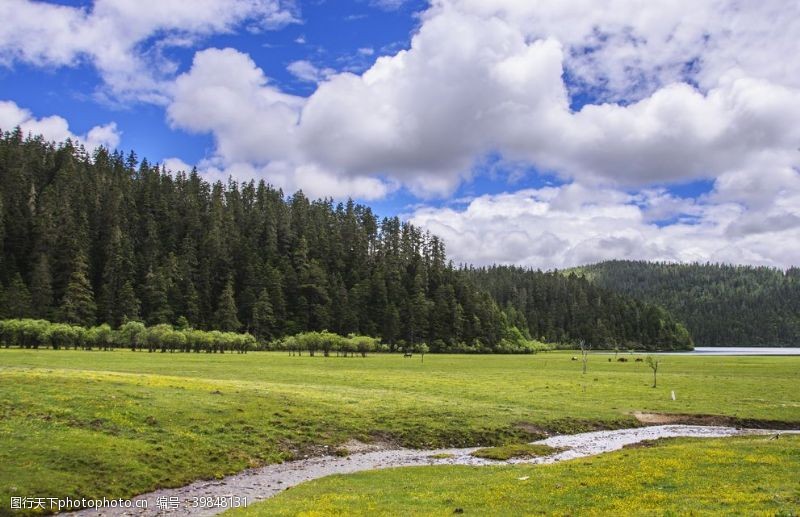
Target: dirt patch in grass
(523, 450)
(536, 431)
(712, 420)
(357, 446)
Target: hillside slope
(555, 307)
(107, 238)
(721, 305)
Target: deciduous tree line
(327, 343)
(34, 334)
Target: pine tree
(391, 325)
(78, 305)
(128, 306)
(274, 286)
(116, 306)
(417, 308)
(42, 288)
(156, 298)
(191, 304)
(315, 292)
(2, 234)
(225, 317)
(189, 299)
(16, 300)
(263, 318)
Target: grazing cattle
(639, 360)
(622, 360)
(574, 358)
(407, 354)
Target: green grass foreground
(116, 424)
(730, 476)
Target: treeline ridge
(108, 238)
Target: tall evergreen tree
(263, 327)
(78, 305)
(116, 306)
(42, 288)
(156, 297)
(128, 306)
(2, 235)
(16, 299)
(225, 317)
(274, 286)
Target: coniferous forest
(554, 307)
(108, 238)
(721, 305)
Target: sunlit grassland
(731, 476)
(114, 424)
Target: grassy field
(731, 476)
(514, 450)
(114, 424)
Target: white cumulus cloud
(124, 39)
(484, 78)
(617, 100)
(55, 128)
(307, 71)
(570, 225)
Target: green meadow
(120, 423)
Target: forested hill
(721, 305)
(109, 238)
(555, 307)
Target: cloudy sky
(547, 133)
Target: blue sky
(546, 134)
(333, 32)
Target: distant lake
(737, 350)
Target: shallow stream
(265, 482)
